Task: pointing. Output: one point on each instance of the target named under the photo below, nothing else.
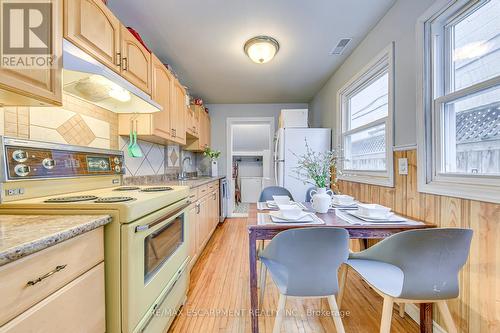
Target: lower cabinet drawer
(29, 280)
(202, 191)
(77, 307)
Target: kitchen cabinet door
(208, 135)
(201, 230)
(91, 26)
(135, 61)
(163, 81)
(191, 232)
(179, 114)
(36, 87)
(215, 211)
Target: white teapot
(321, 200)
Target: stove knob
(118, 169)
(22, 170)
(20, 156)
(117, 160)
(49, 163)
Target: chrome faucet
(182, 175)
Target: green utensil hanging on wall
(134, 150)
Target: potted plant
(319, 169)
(213, 155)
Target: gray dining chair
(416, 266)
(268, 192)
(304, 263)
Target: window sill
(371, 180)
(462, 191)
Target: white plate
(278, 217)
(337, 203)
(371, 218)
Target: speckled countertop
(155, 180)
(22, 235)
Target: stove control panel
(58, 161)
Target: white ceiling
(203, 41)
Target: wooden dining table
(268, 231)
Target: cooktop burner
(75, 198)
(114, 199)
(156, 189)
(127, 188)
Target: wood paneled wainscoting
(477, 309)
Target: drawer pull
(43, 277)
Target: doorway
(249, 161)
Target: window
(365, 105)
(460, 145)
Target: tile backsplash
(76, 122)
(81, 123)
(151, 163)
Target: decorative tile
(76, 131)
(100, 143)
(99, 127)
(46, 134)
(156, 157)
(173, 160)
(145, 169)
(49, 116)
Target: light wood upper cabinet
(178, 120)
(203, 140)
(90, 25)
(135, 61)
(193, 121)
(27, 87)
(163, 81)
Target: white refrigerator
(290, 142)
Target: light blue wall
(220, 112)
(397, 25)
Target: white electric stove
(146, 242)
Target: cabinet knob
(124, 63)
(118, 59)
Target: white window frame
(430, 111)
(383, 62)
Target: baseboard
(414, 312)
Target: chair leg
(402, 310)
(280, 313)
(336, 314)
(385, 325)
(262, 284)
(447, 318)
(342, 281)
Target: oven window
(160, 245)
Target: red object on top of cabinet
(138, 37)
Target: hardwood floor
(218, 299)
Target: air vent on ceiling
(341, 45)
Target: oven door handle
(145, 227)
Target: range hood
(88, 79)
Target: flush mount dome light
(261, 49)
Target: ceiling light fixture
(261, 49)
